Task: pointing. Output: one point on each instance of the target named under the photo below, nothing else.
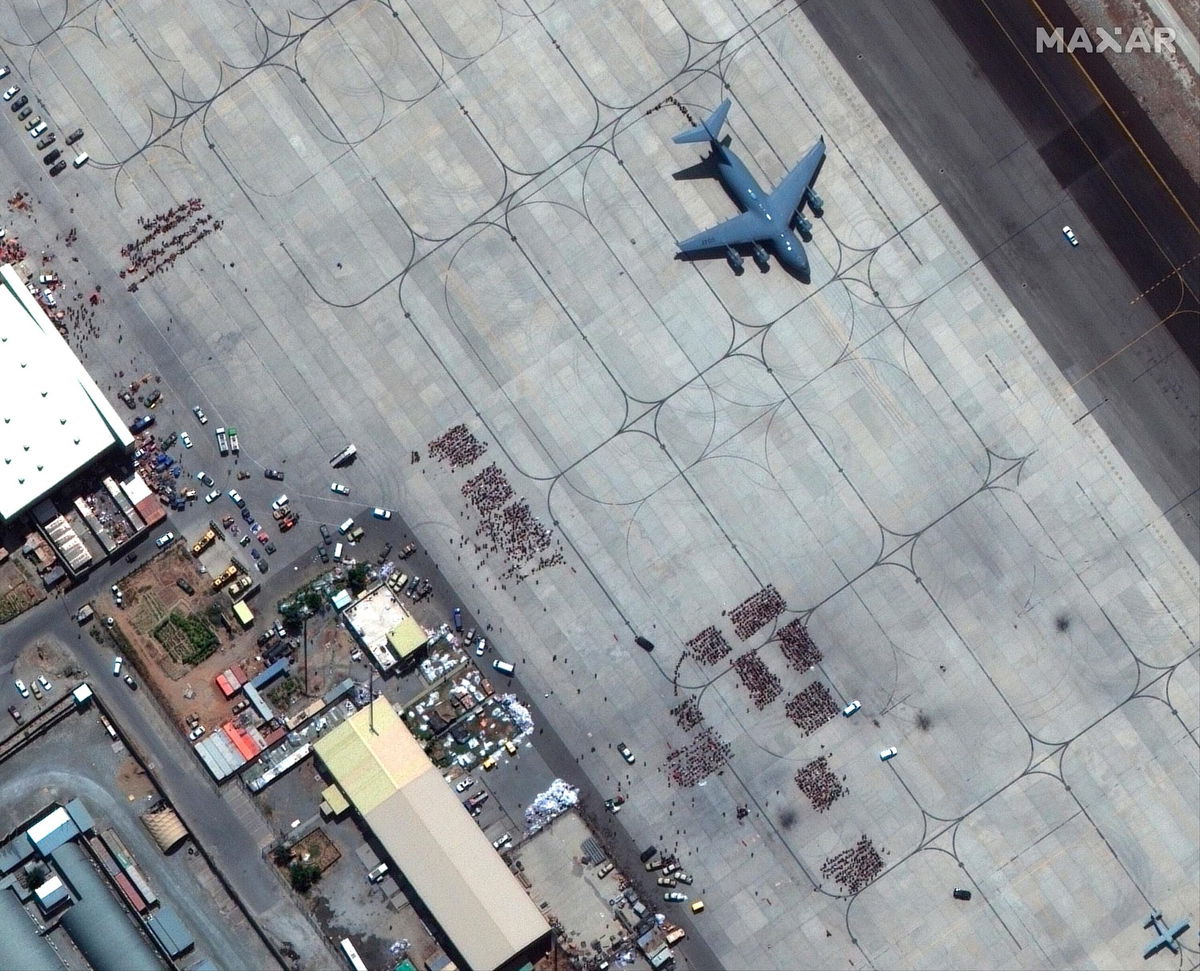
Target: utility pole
(371, 696)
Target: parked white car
(340, 489)
(164, 539)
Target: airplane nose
(794, 260)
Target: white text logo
(1103, 40)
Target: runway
(1010, 140)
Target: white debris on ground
(547, 805)
(519, 715)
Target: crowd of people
(458, 447)
(762, 683)
(11, 250)
(701, 757)
(518, 535)
(756, 611)
(82, 319)
(506, 524)
(854, 868)
(811, 708)
(688, 714)
(489, 491)
(709, 646)
(817, 781)
(152, 259)
(798, 648)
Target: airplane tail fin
(709, 129)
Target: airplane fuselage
(750, 197)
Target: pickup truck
(222, 441)
(141, 424)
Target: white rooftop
(54, 419)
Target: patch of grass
(186, 637)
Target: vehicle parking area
(564, 880)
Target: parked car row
(37, 128)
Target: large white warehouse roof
(54, 419)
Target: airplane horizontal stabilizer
(709, 129)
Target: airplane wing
(787, 196)
(746, 227)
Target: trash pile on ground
(518, 714)
(550, 804)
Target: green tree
(304, 876)
(358, 576)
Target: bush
(304, 876)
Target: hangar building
(429, 835)
(54, 419)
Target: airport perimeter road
(1016, 145)
(224, 823)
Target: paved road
(1016, 146)
(223, 822)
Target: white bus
(351, 953)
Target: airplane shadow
(746, 252)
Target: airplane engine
(803, 226)
(761, 258)
(815, 203)
(736, 263)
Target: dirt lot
(160, 648)
(19, 589)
